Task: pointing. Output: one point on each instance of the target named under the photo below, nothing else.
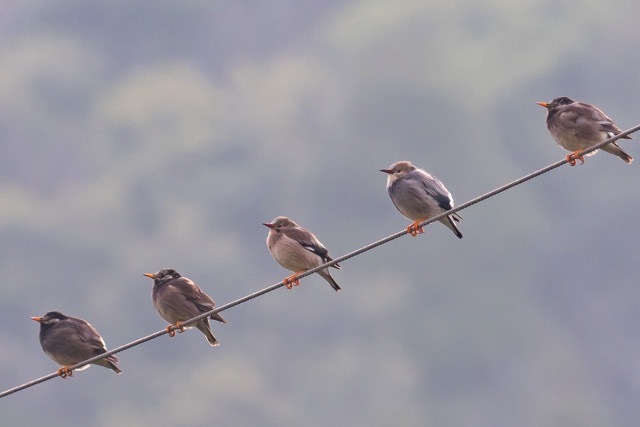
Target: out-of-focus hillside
(142, 135)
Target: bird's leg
(65, 372)
(171, 329)
(291, 281)
(415, 228)
(576, 155)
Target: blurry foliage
(142, 135)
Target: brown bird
(577, 126)
(70, 340)
(178, 299)
(298, 250)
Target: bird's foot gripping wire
(172, 329)
(415, 229)
(576, 155)
(291, 281)
(65, 372)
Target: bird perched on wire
(298, 250)
(178, 299)
(419, 196)
(70, 340)
(577, 126)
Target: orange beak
(543, 104)
(37, 319)
(150, 275)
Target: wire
(323, 266)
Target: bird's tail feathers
(327, 276)
(110, 362)
(615, 149)
(206, 330)
(449, 222)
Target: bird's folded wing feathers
(611, 129)
(435, 189)
(193, 294)
(307, 241)
(310, 242)
(87, 333)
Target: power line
(323, 266)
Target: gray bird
(419, 196)
(178, 299)
(298, 250)
(70, 340)
(577, 126)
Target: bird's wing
(610, 128)
(184, 289)
(309, 241)
(86, 333)
(588, 118)
(432, 187)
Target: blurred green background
(149, 134)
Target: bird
(179, 299)
(418, 195)
(577, 126)
(298, 250)
(70, 340)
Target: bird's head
(557, 102)
(280, 223)
(50, 318)
(163, 275)
(398, 170)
